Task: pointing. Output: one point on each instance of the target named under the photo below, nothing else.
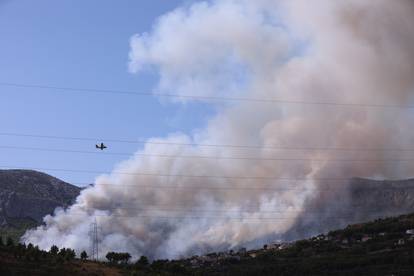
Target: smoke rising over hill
(350, 52)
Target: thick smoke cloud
(342, 51)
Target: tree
(83, 255)
(62, 253)
(70, 254)
(59, 259)
(10, 242)
(54, 250)
(124, 257)
(159, 264)
(32, 252)
(110, 256)
(20, 251)
(143, 261)
(36, 253)
(115, 257)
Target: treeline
(30, 252)
(157, 267)
(116, 258)
(144, 267)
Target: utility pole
(93, 234)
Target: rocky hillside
(27, 196)
(380, 247)
(382, 197)
(360, 200)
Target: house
(195, 261)
(273, 246)
(223, 256)
(410, 232)
(320, 237)
(209, 258)
(401, 242)
(366, 238)
(284, 246)
(253, 255)
(234, 258)
(328, 238)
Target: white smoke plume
(326, 51)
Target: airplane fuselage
(101, 146)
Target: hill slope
(360, 200)
(380, 247)
(27, 196)
(385, 197)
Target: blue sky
(77, 43)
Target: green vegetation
(83, 256)
(117, 258)
(21, 259)
(381, 247)
(16, 227)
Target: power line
(192, 210)
(185, 206)
(203, 156)
(266, 188)
(201, 217)
(67, 138)
(177, 175)
(176, 187)
(144, 174)
(211, 98)
(319, 221)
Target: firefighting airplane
(101, 146)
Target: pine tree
(83, 255)
(54, 250)
(9, 242)
(143, 261)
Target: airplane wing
(101, 146)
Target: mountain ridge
(26, 196)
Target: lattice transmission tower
(93, 234)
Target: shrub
(70, 254)
(54, 250)
(9, 242)
(143, 261)
(116, 258)
(83, 255)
